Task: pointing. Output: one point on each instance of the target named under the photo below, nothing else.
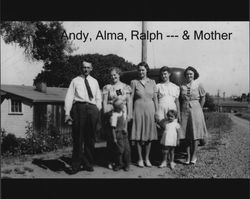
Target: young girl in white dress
(170, 137)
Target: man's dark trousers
(85, 118)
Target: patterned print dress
(121, 91)
(192, 117)
(144, 126)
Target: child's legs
(165, 153)
(171, 153)
(126, 152)
(110, 152)
(120, 145)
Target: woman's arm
(106, 106)
(202, 100)
(177, 102)
(155, 97)
(105, 102)
(131, 100)
(202, 94)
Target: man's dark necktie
(88, 89)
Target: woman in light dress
(192, 117)
(116, 89)
(167, 94)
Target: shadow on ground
(63, 163)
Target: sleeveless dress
(144, 126)
(192, 117)
(166, 94)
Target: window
(16, 106)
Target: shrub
(35, 142)
(209, 103)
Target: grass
(215, 120)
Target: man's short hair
(83, 62)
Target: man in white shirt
(82, 106)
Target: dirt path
(227, 155)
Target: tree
(40, 40)
(243, 97)
(209, 103)
(44, 41)
(60, 74)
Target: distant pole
(218, 99)
(144, 43)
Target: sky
(223, 64)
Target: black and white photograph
(125, 99)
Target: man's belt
(87, 103)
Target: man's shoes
(88, 168)
(116, 168)
(73, 171)
(126, 168)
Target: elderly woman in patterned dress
(116, 89)
(192, 117)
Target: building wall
(14, 123)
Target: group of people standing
(154, 111)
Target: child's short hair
(172, 113)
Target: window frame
(18, 107)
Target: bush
(209, 103)
(35, 142)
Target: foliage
(60, 73)
(43, 41)
(40, 40)
(209, 103)
(44, 141)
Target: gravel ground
(226, 155)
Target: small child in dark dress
(121, 148)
